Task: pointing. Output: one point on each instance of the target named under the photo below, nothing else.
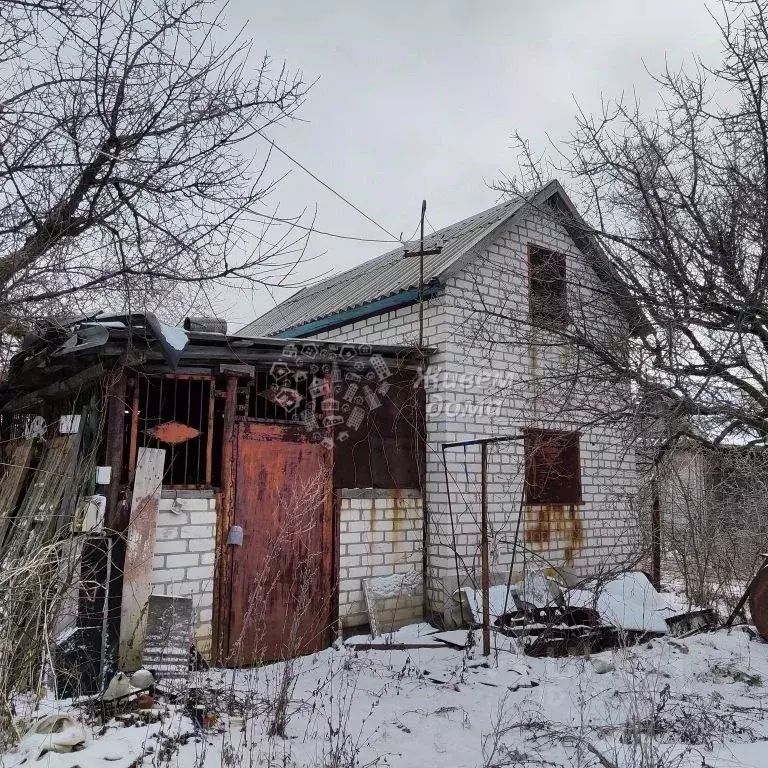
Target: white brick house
(492, 374)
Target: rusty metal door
(281, 586)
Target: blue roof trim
(348, 316)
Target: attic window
(552, 467)
(547, 289)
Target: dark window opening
(283, 395)
(548, 295)
(176, 413)
(552, 467)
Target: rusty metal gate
(281, 579)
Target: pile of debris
(550, 617)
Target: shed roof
(61, 355)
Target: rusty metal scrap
(173, 433)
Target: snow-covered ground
(696, 702)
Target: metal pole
(421, 276)
(486, 574)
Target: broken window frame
(561, 485)
(265, 393)
(547, 287)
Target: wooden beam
(209, 434)
(116, 518)
(225, 519)
(139, 555)
(655, 533)
(52, 391)
(133, 443)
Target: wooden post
(134, 433)
(139, 554)
(656, 534)
(116, 404)
(486, 573)
(226, 517)
(105, 615)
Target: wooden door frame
(223, 569)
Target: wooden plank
(54, 391)
(225, 519)
(116, 405)
(168, 640)
(72, 479)
(39, 516)
(209, 435)
(139, 554)
(133, 442)
(12, 481)
(71, 555)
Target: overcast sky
(418, 100)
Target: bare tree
(678, 198)
(126, 171)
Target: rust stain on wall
(555, 526)
(397, 516)
(372, 519)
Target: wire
(109, 155)
(315, 231)
(330, 188)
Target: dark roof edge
(361, 312)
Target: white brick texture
(380, 533)
(184, 557)
(488, 378)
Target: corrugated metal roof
(383, 276)
(392, 274)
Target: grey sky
(419, 100)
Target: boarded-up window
(548, 297)
(552, 471)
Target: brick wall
(380, 533)
(185, 550)
(494, 376)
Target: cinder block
(195, 505)
(203, 517)
(163, 547)
(182, 560)
(167, 576)
(197, 532)
(199, 545)
(205, 615)
(203, 572)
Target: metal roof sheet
(392, 273)
(385, 275)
